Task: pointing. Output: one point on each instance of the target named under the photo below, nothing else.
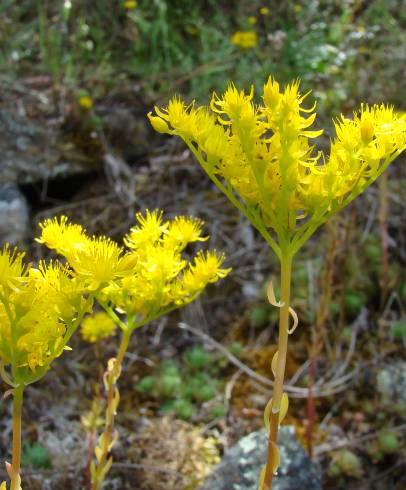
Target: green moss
(36, 456)
(398, 330)
(388, 442)
(353, 301)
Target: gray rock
(31, 151)
(240, 467)
(14, 215)
(391, 385)
(126, 131)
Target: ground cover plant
(261, 158)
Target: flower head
(142, 280)
(159, 280)
(63, 237)
(35, 314)
(11, 266)
(264, 153)
(97, 327)
(244, 39)
(96, 260)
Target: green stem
(109, 310)
(106, 439)
(229, 194)
(286, 272)
(16, 458)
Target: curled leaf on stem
(295, 320)
(283, 410)
(271, 297)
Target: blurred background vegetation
(345, 51)
(77, 79)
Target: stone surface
(37, 149)
(241, 465)
(391, 385)
(14, 216)
(32, 151)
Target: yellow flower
(130, 4)
(244, 39)
(159, 279)
(143, 281)
(264, 154)
(35, 316)
(86, 102)
(95, 260)
(11, 266)
(102, 261)
(97, 327)
(63, 237)
(205, 269)
(149, 230)
(264, 10)
(182, 231)
(252, 20)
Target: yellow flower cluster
(86, 102)
(263, 153)
(130, 4)
(37, 308)
(244, 39)
(97, 261)
(147, 277)
(97, 327)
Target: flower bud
(158, 123)
(367, 130)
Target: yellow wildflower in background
(130, 4)
(97, 327)
(244, 39)
(86, 102)
(264, 10)
(252, 20)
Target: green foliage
(35, 455)
(388, 442)
(259, 315)
(353, 301)
(345, 462)
(346, 334)
(184, 45)
(235, 348)
(146, 385)
(183, 387)
(373, 250)
(197, 357)
(398, 330)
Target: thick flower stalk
(40, 308)
(135, 284)
(261, 156)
